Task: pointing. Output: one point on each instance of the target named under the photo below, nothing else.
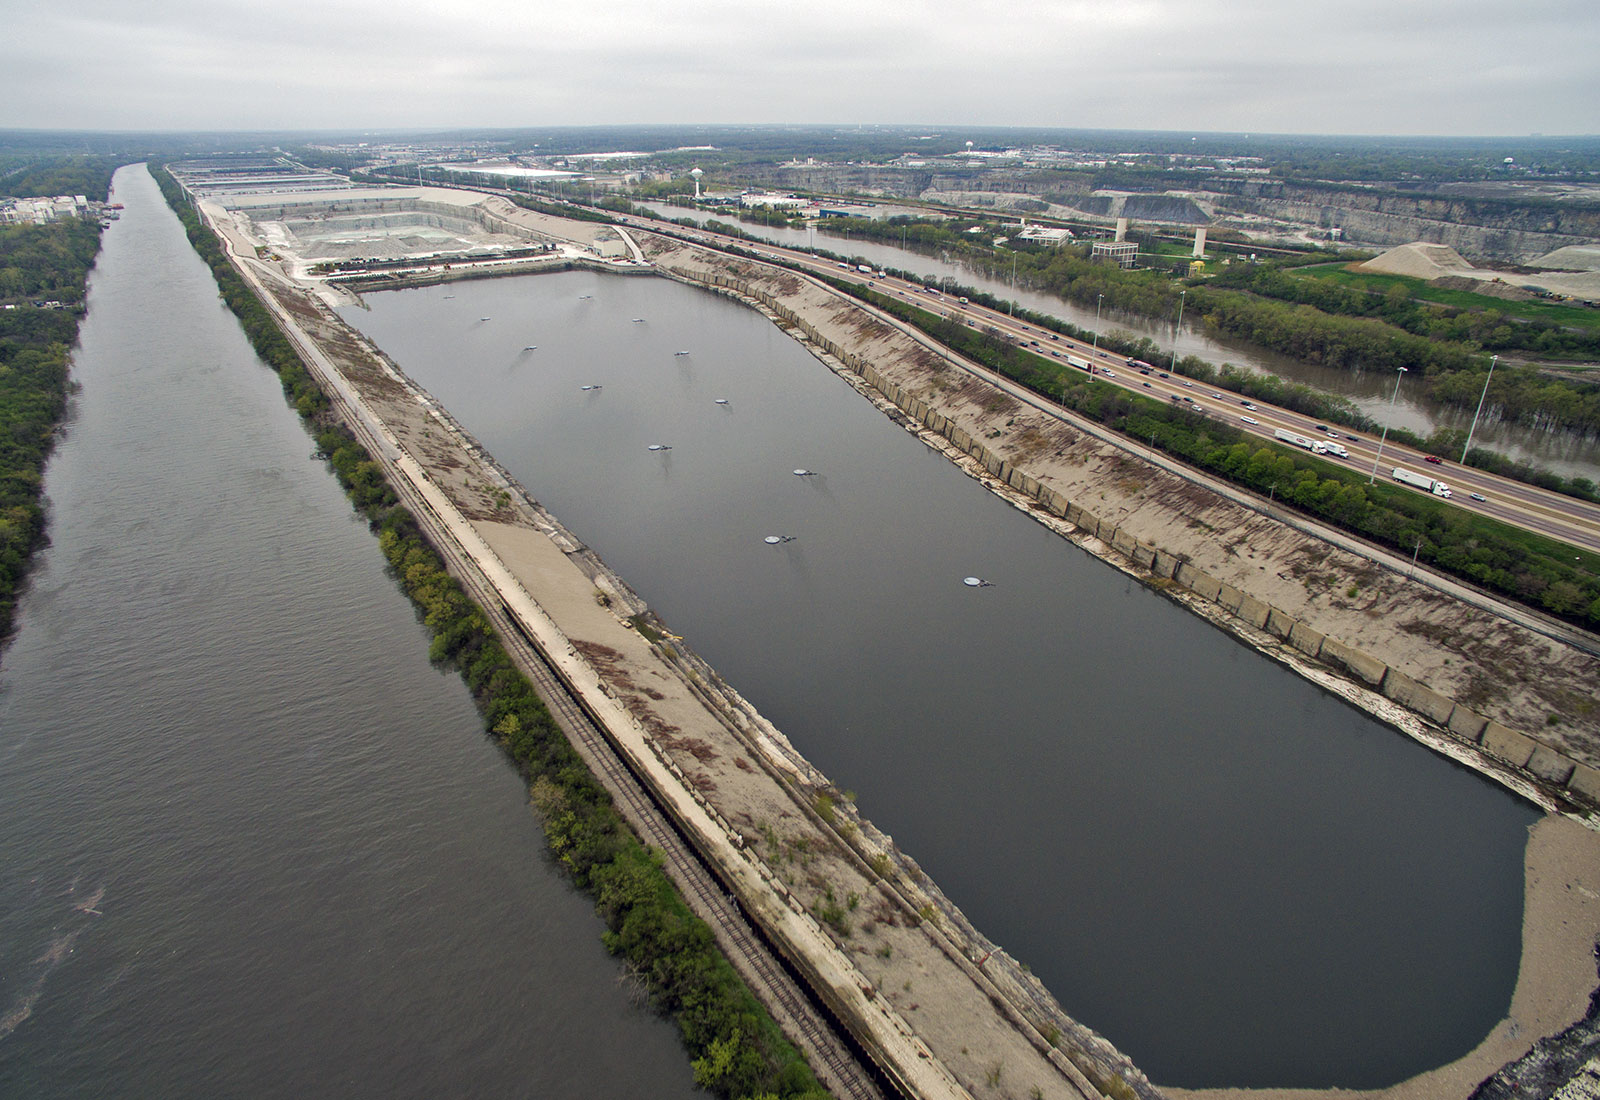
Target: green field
(1567, 316)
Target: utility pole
(1492, 360)
(1181, 296)
(1384, 437)
(1098, 298)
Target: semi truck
(1421, 481)
(1337, 449)
(1081, 364)
(1315, 446)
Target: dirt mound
(1574, 257)
(1418, 259)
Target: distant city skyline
(1462, 68)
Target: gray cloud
(1344, 66)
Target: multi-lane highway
(1527, 506)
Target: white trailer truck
(1421, 481)
(1315, 446)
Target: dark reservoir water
(251, 844)
(1237, 878)
(1372, 392)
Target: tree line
(736, 1049)
(37, 262)
(24, 176)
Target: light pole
(1492, 360)
(1098, 298)
(1013, 310)
(1181, 296)
(1377, 457)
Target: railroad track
(836, 1063)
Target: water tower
(696, 173)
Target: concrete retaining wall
(1552, 768)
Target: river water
(1237, 878)
(251, 843)
(1370, 391)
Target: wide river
(1236, 877)
(251, 843)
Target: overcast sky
(1290, 66)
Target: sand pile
(1420, 260)
(1573, 257)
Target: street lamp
(1013, 310)
(1098, 298)
(1181, 296)
(1468, 447)
(1385, 435)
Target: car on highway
(1247, 405)
(1353, 438)
(1249, 420)
(1188, 385)
(1053, 336)
(1107, 372)
(1325, 428)
(1146, 385)
(1478, 497)
(1435, 459)
(1218, 396)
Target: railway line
(832, 1056)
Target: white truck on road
(1421, 481)
(1315, 446)
(1081, 364)
(1338, 449)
